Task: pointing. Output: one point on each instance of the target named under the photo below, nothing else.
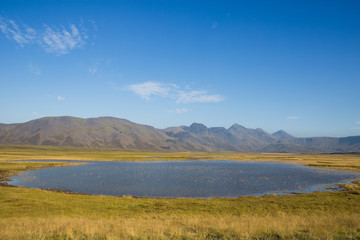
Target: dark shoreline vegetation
(41, 214)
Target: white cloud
(60, 98)
(292, 118)
(198, 96)
(61, 41)
(358, 122)
(147, 90)
(179, 110)
(55, 40)
(12, 31)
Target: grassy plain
(41, 214)
(332, 161)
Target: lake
(195, 179)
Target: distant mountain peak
(111, 132)
(259, 130)
(236, 126)
(198, 128)
(282, 135)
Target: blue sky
(292, 65)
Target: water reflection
(198, 179)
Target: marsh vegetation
(42, 214)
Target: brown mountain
(281, 134)
(92, 132)
(120, 133)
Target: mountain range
(110, 132)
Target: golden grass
(193, 227)
(41, 214)
(332, 161)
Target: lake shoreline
(8, 180)
(350, 161)
(42, 214)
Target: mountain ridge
(111, 132)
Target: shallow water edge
(183, 179)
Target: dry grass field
(332, 161)
(43, 214)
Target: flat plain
(44, 214)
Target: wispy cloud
(149, 90)
(96, 28)
(356, 128)
(214, 25)
(20, 34)
(55, 40)
(92, 69)
(61, 40)
(60, 98)
(198, 96)
(55, 97)
(292, 118)
(99, 65)
(113, 85)
(34, 69)
(179, 110)
(36, 114)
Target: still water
(196, 179)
